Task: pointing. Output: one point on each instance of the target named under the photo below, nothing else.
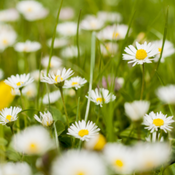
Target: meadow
(87, 87)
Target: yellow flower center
(100, 143)
(83, 132)
(8, 118)
(5, 42)
(29, 9)
(33, 148)
(160, 49)
(141, 54)
(19, 83)
(115, 34)
(58, 78)
(93, 24)
(80, 173)
(158, 122)
(118, 163)
(99, 99)
(149, 164)
(74, 83)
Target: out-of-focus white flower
(153, 121)
(1, 74)
(19, 81)
(96, 143)
(19, 168)
(166, 94)
(69, 92)
(9, 15)
(114, 32)
(60, 76)
(82, 130)
(33, 140)
(153, 137)
(75, 82)
(70, 52)
(36, 74)
(140, 55)
(137, 109)
(66, 13)
(7, 36)
(167, 50)
(110, 48)
(32, 10)
(119, 157)
(77, 162)
(91, 23)
(67, 28)
(100, 96)
(148, 156)
(55, 62)
(58, 42)
(8, 115)
(28, 46)
(52, 97)
(45, 119)
(30, 90)
(106, 82)
(109, 16)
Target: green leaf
(3, 141)
(59, 126)
(57, 115)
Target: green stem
(151, 137)
(93, 44)
(56, 138)
(22, 105)
(61, 91)
(143, 76)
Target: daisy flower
(45, 119)
(119, 157)
(70, 52)
(9, 15)
(7, 36)
(75, 82)
(137, 109)
(58, 42)
(67, 28)
(52, 97)
(153, 138)
(19, 81)
(76, 162)
(19, 168)
(148, 156)
(167, 50)
(9, 115)
(28, 46)
(114, 32)
(109, 48)
(30, 90)
(66, 13)
(140, 54)
(57, 79)
(153, 121)
(83, 130)
(91, 22)
(109, 16)
(32, 10)
(100, 96)
(96, 143)
(55, 62)
(34, 140)
(166, 94)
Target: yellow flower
(6, 96)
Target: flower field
(87, 87)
